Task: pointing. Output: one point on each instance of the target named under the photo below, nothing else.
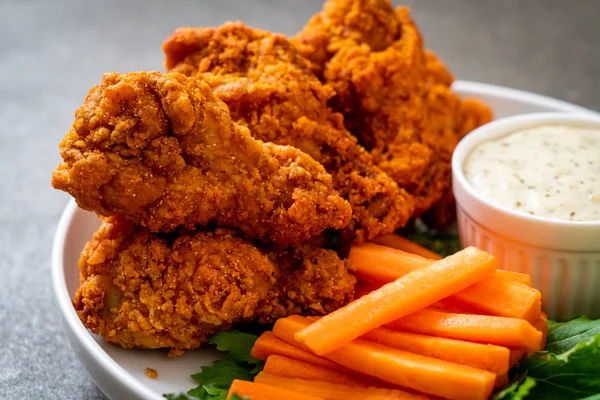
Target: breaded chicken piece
(163, 150)
(395, 96)
(146, 290)
(270, 89)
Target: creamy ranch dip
(547, 171)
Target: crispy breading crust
(163, 150)
(145, 290)
(394, 95)
(269, 88)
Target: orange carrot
(362, 288)
(381, 265)
(268, 344)
(423, 374)
(335, 391)
(542, 326)
(498, 296)
(509, 332)
(412, 292)
(515, 357)
(289, 368)
(401, 243)
(525, 279)
(259, 391)
(501, 380)
(483, 356)
(494, 296)
(286, 328)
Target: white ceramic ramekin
(562, 257)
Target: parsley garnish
(214, 380)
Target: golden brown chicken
(395, 96)
(163, 150)
(146, 290)
(270, 89)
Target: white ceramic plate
(119, 373)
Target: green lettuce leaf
(179, 396)
(563, 336)
(568, 368)
(519, 390)
(214, 380)
(573, 374)
(239, 345)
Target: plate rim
(480, 88)
(70, 318)
(133, 386)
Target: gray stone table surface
(52, 52)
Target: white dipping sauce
(547, 171)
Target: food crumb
(151, 373)
(175, 353)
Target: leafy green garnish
(442, 243)
(574, 374)
(568, 368)
(517, 391)
(239, 345)
(183, 396)
(214, 380)
(180, 396)
(563, 336)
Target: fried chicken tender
(270, 89)
(146, 290)
(163, 150)
(395, 96)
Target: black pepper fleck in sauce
(548, 171)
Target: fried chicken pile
(394, 95)
(161, 155)
(270, 89)
(146, 290)
(222, 182)
(163, 150)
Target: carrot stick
(542, 326)
(525, 279)
(493, 296)
(515, 357)
(498, 296)
(335, 391)
(268, 344)
(362, 288)
(449, 305)
(381, 265)
(412, 292)
(488, 357)
(424, 374)
(286, 328)
(289, 368)
(259, 391)
(297, 322)
(501, 380)
(509, 332)
(401, 243)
